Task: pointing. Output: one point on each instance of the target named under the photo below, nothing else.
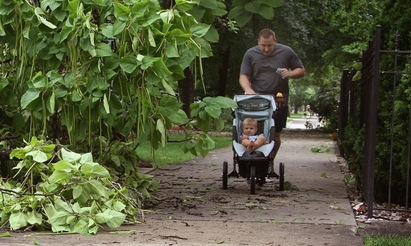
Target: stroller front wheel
(252, 179)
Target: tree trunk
(187, 90)
(223, 71)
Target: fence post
(370, 121)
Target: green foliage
(243, 10)
(76, 71)
(321, 149)
(64, 191)
(394, 118)
(207, 112)
(353, 144)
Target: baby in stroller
(249, 138)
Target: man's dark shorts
(280, 118)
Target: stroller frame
(253, 165)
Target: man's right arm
(245, 70)
(246, 85)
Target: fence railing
(359, 105)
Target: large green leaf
(167, 87)
(212, 35)
(118, 27)
(39, 12)
(185, 5)
(17, 220)
(70, 156)
(2, 32)
(253, 7)
(34, 218)
(220, 10)
(223, 102)
(81, 227)
(128, 64)
(213, 110)
(93, 169)
(210, 4)
(103, 50)
(199, 30)
(205, 48)
(119, 206)
(3, 83)
(63, 165)
(72, 8)
(266, 12)
(151, 18)
(121, 11)
(271, 3)
(198, 13)
(171, 51)
(51, 4)
(167, 16)
(60, 177)
(93, 189)
(179, 36)
(160, 127)
(116, 218)
(106, 104)
(241, 2)
(235, 12)
(107, 30)
(38, 156)
(58, 219)
(51, 103)
(28, 97)
(243, 18)
(147, 61)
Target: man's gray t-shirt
(261, 69)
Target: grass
(392, 240)
(299, 115)
(173, 152)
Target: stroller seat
(260, 108)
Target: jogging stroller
(253, 165)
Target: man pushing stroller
(266, 69)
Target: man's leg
(280, 120)
(277, 144)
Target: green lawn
(392, 240)
(173, 152)
(298, 115)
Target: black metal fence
(359, 106)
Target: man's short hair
(266, 33)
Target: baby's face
(249, 130)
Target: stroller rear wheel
(225, 175)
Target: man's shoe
(272, 174)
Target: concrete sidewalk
(193, 209)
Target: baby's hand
(250, 146)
